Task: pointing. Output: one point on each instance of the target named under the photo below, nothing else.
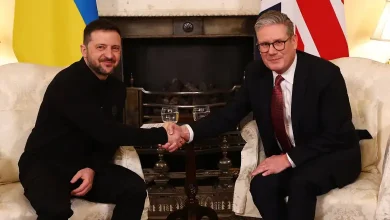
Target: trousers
(49, 191)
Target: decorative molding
(173, 8)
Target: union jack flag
(319, 25)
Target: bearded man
(77, 132)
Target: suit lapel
(299, 90)
(265, 93)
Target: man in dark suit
(302, 110)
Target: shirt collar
(289, 74)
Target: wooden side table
(192, 210)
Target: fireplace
(185, 62)
(206, 55)
(154, 62)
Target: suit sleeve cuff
(291, 162)
(191, 133)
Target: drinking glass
(170, 114)
(200, 111)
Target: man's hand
(87, 175)
(175, 141)
(272, 165)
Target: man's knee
(138, 192)
(55, 213)
(135, 188)
(52, 209)
(263, 185)
(49, 202)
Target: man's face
(278, 61)
(103, 52)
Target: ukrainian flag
(49, 32)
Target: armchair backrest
(368, 84)
(22, 87)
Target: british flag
(319, 25)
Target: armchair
(369, 196)
(21, 91)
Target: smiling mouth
(108, 63)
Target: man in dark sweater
(78, 129)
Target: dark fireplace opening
(197, 62)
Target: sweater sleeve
(101, 154)
(79, 106)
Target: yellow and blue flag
(49, 32)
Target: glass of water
(200, 111)
(170, 114)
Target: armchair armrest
(250, 133)
(383, 207)
(127, 157)
(251, 155)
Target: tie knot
(278, 80)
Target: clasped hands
(177, 136)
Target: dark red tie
(277, 115)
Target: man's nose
(108, 53)
(272, 50)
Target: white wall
(177, 7)
(361, 19)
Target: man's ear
(294, 41)
(83, 50)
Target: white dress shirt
(287, 89)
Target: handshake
(177, 136)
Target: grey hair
(275, 17)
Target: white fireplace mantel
(152, 8)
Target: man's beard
(97, 67)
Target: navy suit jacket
(321, 115)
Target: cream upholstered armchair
(368, 84)
(21, 91)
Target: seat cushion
(15, 206)
(356, 201)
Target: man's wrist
(191, 133)
(286, 159)
(291, 161)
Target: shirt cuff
(291, 162)
(191, 133)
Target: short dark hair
(99, 25)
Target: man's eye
(100, 47)
(278, 43)
(264, 44)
